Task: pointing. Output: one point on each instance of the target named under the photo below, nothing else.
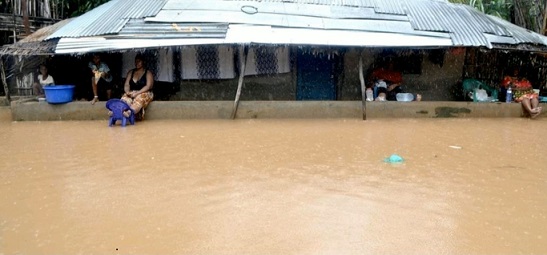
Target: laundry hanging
(165, 63)
(207, 62)
(268, 60)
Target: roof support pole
(363, 87)
(242, 62)
(544, 26)
(14, 24)
(3, 74)
(26, 22)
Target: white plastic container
(369, 95)
(404, 97)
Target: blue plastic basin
(59, 94)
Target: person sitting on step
(523, 93)
(101, 80)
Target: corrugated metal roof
(257, 34)
(109, 18)
(389, 7)
(280, 8)
(467, 30)
(485, 22)
(282, 20)
(520, 35)
(393, 6)
(160, 18)
(306, 36)
(140, 29)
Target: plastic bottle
(509, 96)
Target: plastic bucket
(59, 94)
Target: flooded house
(299, 57)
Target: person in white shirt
(44, 79)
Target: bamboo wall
(49, 9)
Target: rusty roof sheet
(34, 43)
(30, 48)
(42, 33)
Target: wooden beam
(26, 21)
(14, 25)
(544, 25)
(242, 62)
(3, 74)
(363, 87)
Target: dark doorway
(316, 78)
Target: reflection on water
(273, 187)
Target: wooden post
(3, 74)
(26, 22)
(544, 25)
(363, 87)
(242, 62)
(14, 24)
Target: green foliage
(529, 14)
(498, 8)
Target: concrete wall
(41, 111)
(4, 101)
(270, 87)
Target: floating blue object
(394, 158)
(59, 94)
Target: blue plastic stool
(117, 107)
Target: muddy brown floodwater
(467, 186)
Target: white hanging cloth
(207, 62)
(268, 60)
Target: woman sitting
(523, 93)
(44, 79)
(138, 88)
